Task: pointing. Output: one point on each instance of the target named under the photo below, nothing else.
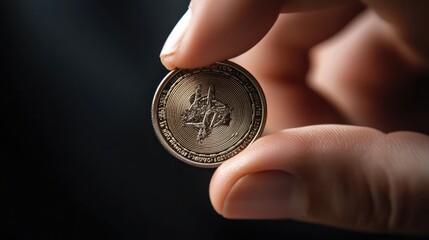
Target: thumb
(343, 176)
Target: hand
(367, 167)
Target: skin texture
(346, 83)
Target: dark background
(79, 158)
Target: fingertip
(174, 40)
(216, 194)
(218, 30)
(231, 171)
(243, 188)
(236, 181)
(221, 183)
(167, 61)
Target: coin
(207, 115)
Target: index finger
(214, 30)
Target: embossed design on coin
(207, 115)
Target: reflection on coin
(206, 115)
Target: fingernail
(174, 39)
(265, 195)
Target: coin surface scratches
(207, 115)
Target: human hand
(357, 170)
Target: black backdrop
(79, 158)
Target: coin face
(207, 115)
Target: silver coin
(207, 115)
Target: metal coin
(207, 115)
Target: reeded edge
(164, 143)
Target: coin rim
(164, 142)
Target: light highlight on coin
(207, 115)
